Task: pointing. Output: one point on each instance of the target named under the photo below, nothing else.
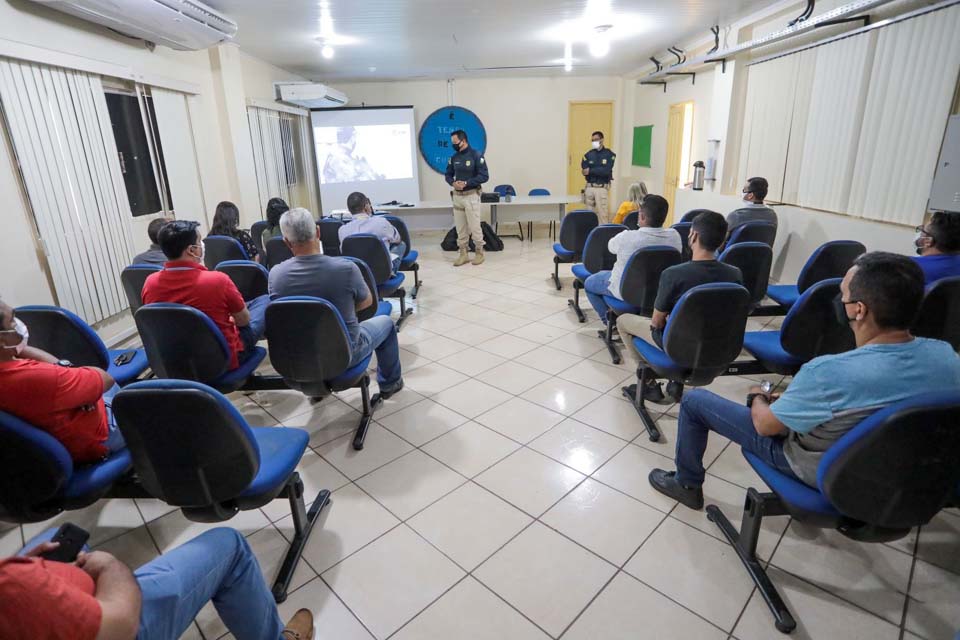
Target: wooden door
(671, 175)
(585, 118)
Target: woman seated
(226, 222)
(635, 195)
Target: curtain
(283, 157)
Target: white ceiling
(404, 39)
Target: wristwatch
(65, 363)
(765, 388)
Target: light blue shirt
(377, 225)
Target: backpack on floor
(491, 241)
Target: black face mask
(840, 311)
(459, 146)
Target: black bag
(490, 197)
(491, 240)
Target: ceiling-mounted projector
(310, 95)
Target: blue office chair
(409, 260)
(38, 479)
(830, 260)
(754, 260)
(683, 230)
(183, 343)
(574, 229)
(755, 231)
(192, 449)
(693, 213)
(638, 287)
(310, 349)
(505, 190)
(251, 278)
(538, 192)
(596, 257)
(939, 315)
(133, 278)
(371, 250)
(632, 220)
(379, 307)
(63, 334)
(330, 235)
(704, 334)
(893, 471)
(217, 249)
(276, 251)
(256, 232)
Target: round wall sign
(435, 133)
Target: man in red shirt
(184, 280)
(65, 401)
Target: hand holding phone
(70, 539)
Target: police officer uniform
(469, 166)
(600, 163)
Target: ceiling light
(600, 43)
(327, 51)
(568, 56)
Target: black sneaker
(653, 392)
(387, 392)
(666, 483)
(675, 390)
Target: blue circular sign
(435, 133)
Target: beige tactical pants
(466, 217)
(630, 325)
(596, 199)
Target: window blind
(283, 157)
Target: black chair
(132, 278)
(256, 232)
(574, 229)
(250, 277)
(310, 349)
(276, 251)
(754, 260)
(632, 220)
(596, 257)
(939, 315)
(704, 334)
(756, 231)
(683, 230)
(192, 449)
(693, 213)
(63, 334)
(409, 260)
(371, 250)
(330, 235)
(892, 472)
(638, 287)
(830, 260)
(217, 249)
(379, 307)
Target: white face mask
(203, 250)
(918, 242)
(596, 144)
(24, 334)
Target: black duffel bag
(491, 240)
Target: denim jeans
(251, 334)
(380, 334)
(217, 565)
(596, 286)
(115, 440)
(397, 250)
(702, 412)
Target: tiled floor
(503, 495)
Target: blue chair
(693, 213)
(893, 471)
(596, 257)
(183, 343)
(133, 278)
(632, 220)
(251, 278)
(830, 260)
(38, 479)
(256, 232)
(505, 190)
(574, 229)
(409, 260)
(379, 307)
(63, 334)
(638, 287)
(683, 230)
(330, 235)
(939, 315)
(310, 349)
(192, 449)
(370, 249)
(754, 260)
(276, 251)
(704, 334)
(538, 192)
(755, 231)
(217, 249)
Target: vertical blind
(283, 157)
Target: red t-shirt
(66, 403)
(45, 599)
(190, 283)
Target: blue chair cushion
(791, 491)
(765, 347)
(657, 359)
(410, 258)
(280, 451)
(127, 372)
(785, 294)
(563, 253)
(351, 376)
(618, 305)
(92, 479)
(235, 378)
(580, 272)
(390, 285)
(384, 308)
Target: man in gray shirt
(338, 281)
(753, 209)
(153, 255)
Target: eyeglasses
(919, 229)
(850, 301)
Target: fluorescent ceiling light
(327, 52)
(583, 30)
(568, 56)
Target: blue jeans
(251, 334)
(597, 286)
(702, 412)
(217, 565)
(380, 334)
(399, 249)
(115, 440)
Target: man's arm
(105, 378)
(764, 421)
(659, 319)
(362, 296)
(603, 171)
(449, 173)
(390, 232)
(481, 175)
(33, 353)
(242, 317)
(235, 303)
(117, 592)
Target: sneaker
(300, 626)
(653, 392)
(387, 392)
(666, 483)
(675, 390)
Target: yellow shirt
(625, 207)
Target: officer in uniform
(466, 171)
(597, 166)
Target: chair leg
(607, 336)
(404, 312)
(303, 522)
(653, 431)
(575, 303)
(744, 542)
(369, 405)
(416, 281)
(520, 226)
(556, 273)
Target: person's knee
(223, 540)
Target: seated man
(938, 246)
(98, 597)
(707, 233)
(653, 212)
(184, 280)
(880, 296)
(153, 255)
(53, 395)
(338, 281)
(753, 209)
(365, 222)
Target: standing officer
(466, 171)
(597, 166)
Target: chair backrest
(596, 255)
(939, 315)
(641, 275)
(368, 279)
(632, 220)
(132, 278)
(190, 446)
(371, 250)
(810, 328)
(34, 468)
(182, 342)
(538, 192)
(754, 260)
(251, 278)
(217, 249)
(575, 228)
(277, 251)
(401, 228)
(683, 230)
(693, 213)
(256, 232)
(898, 467)
(704, 332)
(308, 342)
(830, 260)
(755, 231)
(330, 235)
(505, 190)
(65, 335)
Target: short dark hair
(276, 207)
(711, 228)
(758, 187)
(461, 135)
(890, 285)
(153, 230)
(655, 209)
(597, 133)
(176, 236)
(356, 201)
(944, 228)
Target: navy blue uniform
(469, 166)
(600, 162)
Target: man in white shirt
(365, 222)
(653, 212)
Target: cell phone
(124, 357)
(71, 539)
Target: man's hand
(41, 549)
(459, 185)
(95, 562)
(586, 171)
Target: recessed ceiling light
(327, 52)
(600, 42)
(372, 69)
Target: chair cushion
(562, 253)
(94, 479)
(280, 451)
(785, 294)
(235, 378)
(351, 376)
(580, 272)
(390, 285)
(658, 360)
(792, 492)
(384, 308)
(409, 259)
(619, 306)
(765, 347)
(127, 372)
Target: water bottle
(698, 175)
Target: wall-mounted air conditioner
(186, 25)
(310, 95)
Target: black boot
(666, 483)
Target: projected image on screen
(361, 153)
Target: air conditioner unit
(186, 25)
(309, 95)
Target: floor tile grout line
(913, 567)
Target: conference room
(594, 319)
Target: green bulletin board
(642, 137)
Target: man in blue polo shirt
(938, 246)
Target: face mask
(202, 251)
(596, 144)
(918, 242)
(24, 334)
(840, 311)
